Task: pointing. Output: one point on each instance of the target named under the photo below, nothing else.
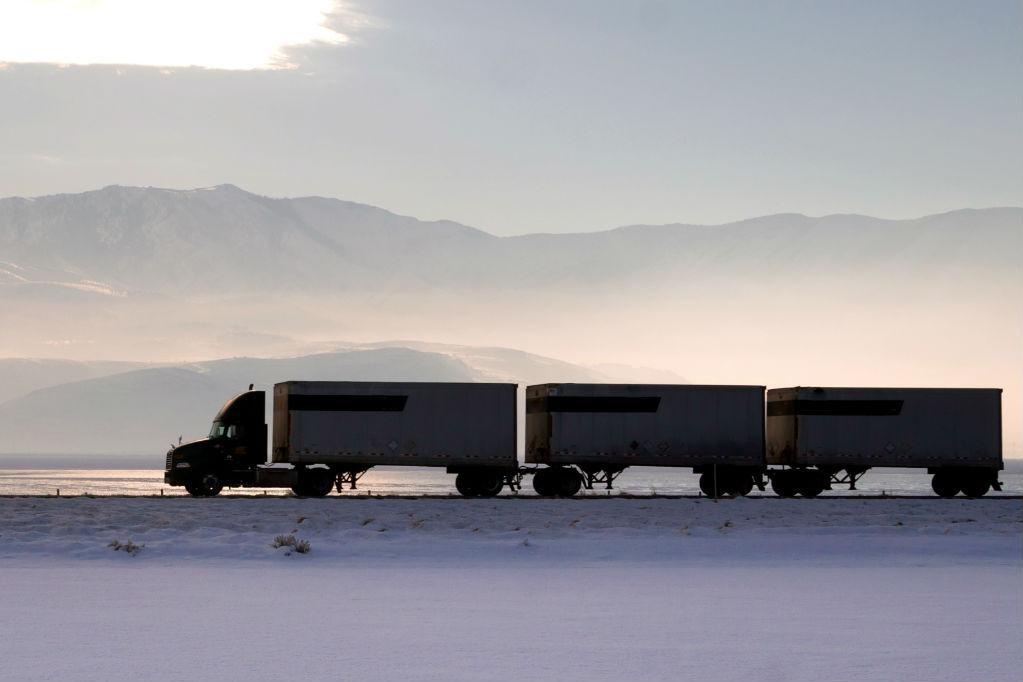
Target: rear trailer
(834, 435)
(590, 433)
(349, 427)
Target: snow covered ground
(439, 589)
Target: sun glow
(215, 34)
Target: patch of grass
(128, 547)
(292, 544)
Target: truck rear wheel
(545, 482)
(810, 487)
(976, 485)
(314, 483)
(743, 484)
(783, 484)
(709, 488)
(467, 485)
(569, 482)
(489, 484)
(945, 484)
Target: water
(424, 481)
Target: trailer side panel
(645, 424)
(884, 427)
(357, 424)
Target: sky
(523, 116)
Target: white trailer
(589, 433)
(823, 435)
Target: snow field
(411, 589)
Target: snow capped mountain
(225, 240)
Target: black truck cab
(230, 454)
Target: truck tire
(569, 482)
(810, 487)
(976, 485)
(945, 484)
(544, 482)
(743, 484)
(783, 484)
(707, 486)
(489, 484)
(205, 485)
(314, 483)
(467, 484)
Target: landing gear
(557, 482)
(313, 483)
(349, 477)
(479, 483)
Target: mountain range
(169, 278)
(119, 241)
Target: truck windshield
(219, 430)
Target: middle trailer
(589, 433)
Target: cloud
(214, 34)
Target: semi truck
(328, 433)
(801, 440)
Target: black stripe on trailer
(835, 408)
(574, 403)
(346, 403)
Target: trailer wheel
(544, 482)
(743, 484)
(782, 484)
(708, 488)
(707, 485)
(945, 484)
(977, 485)
(810, 488)
(569, 481)
(489, 484)
(467, 484)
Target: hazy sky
(524, 116)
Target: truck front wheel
(204, 485)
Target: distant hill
(141, 411)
